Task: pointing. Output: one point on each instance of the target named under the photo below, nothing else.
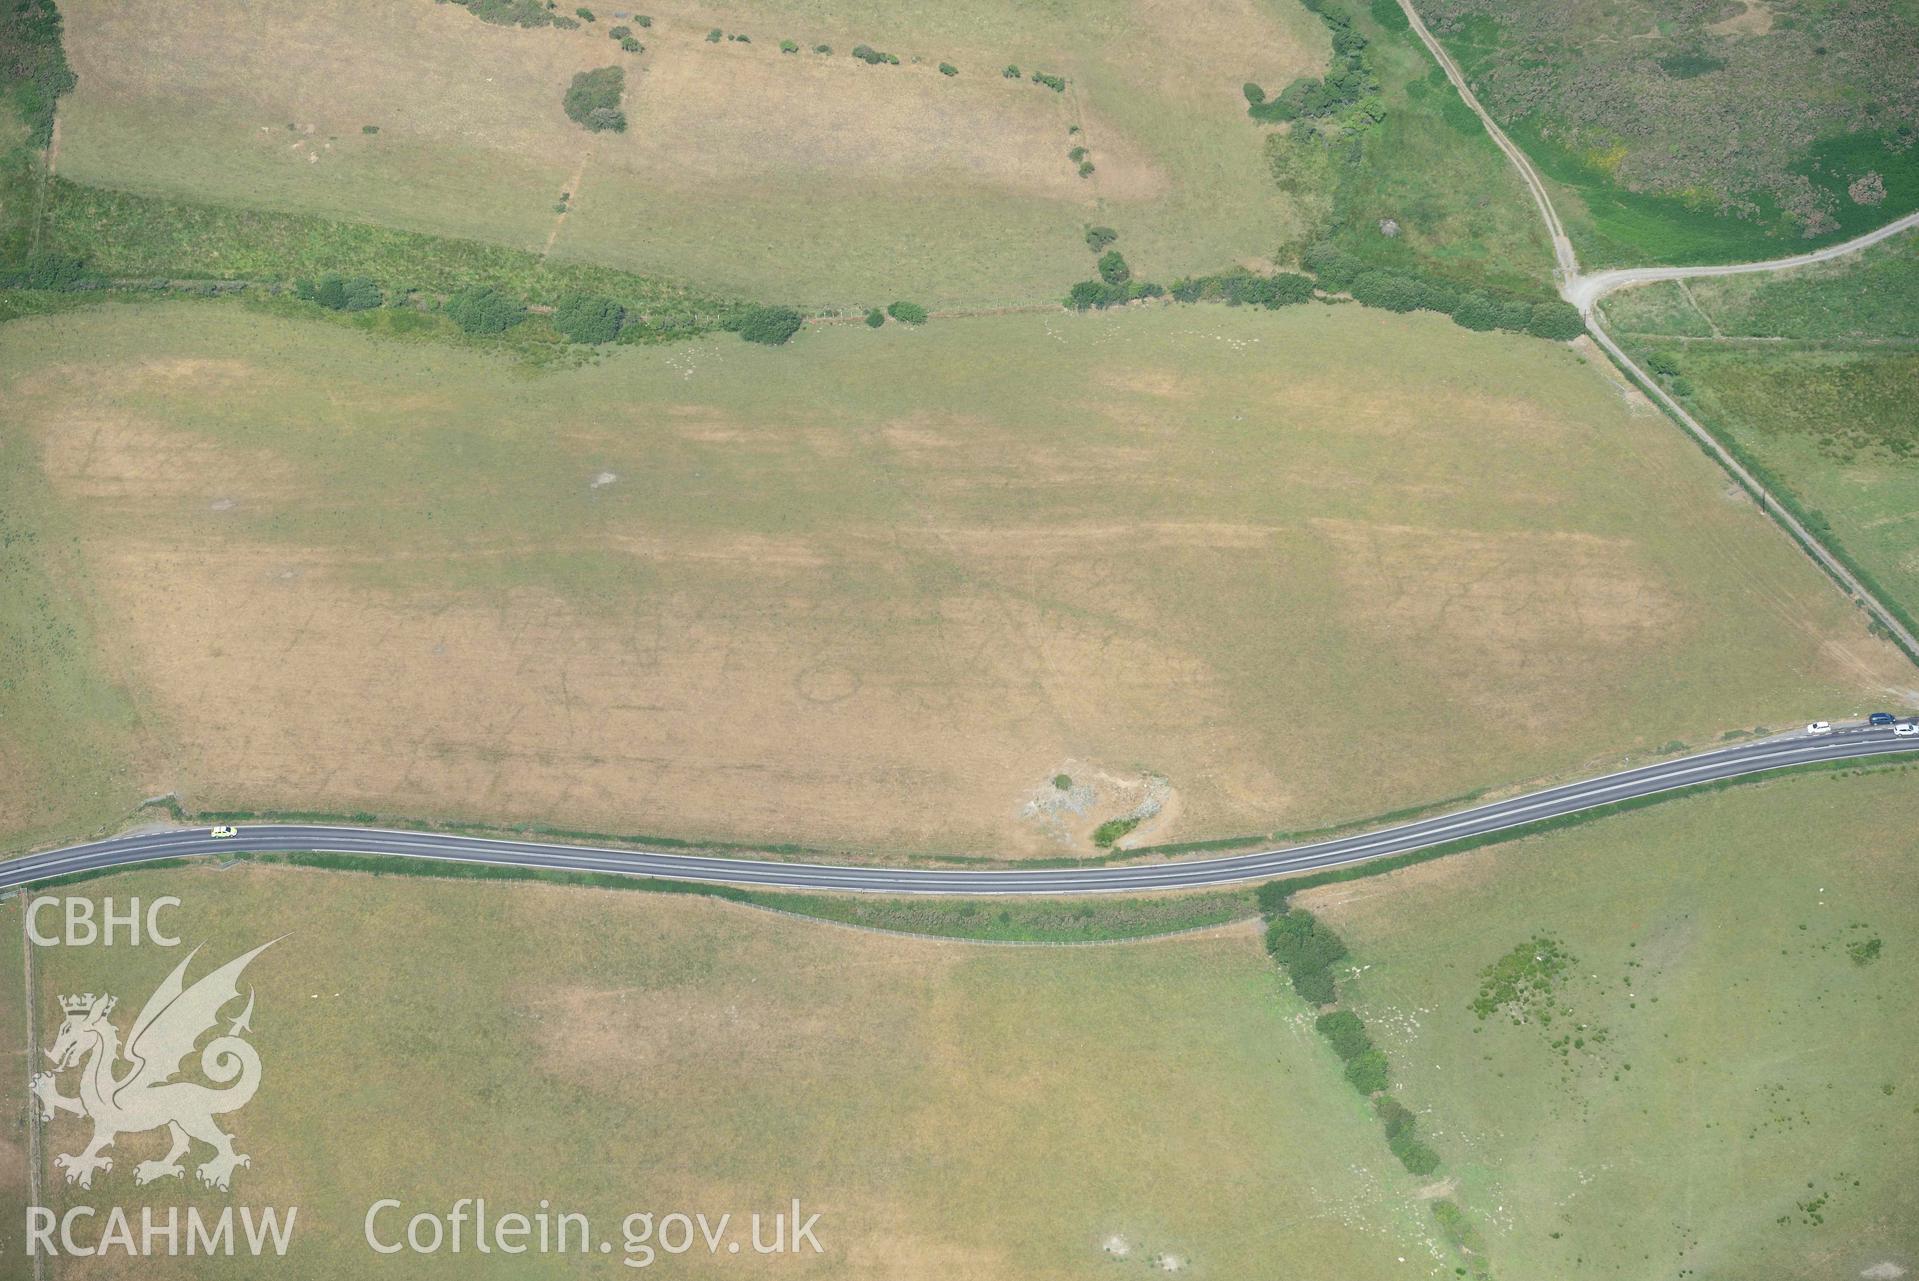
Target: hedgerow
(908, 312)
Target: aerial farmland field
(1199, 561)
(806, 177)
(1055, 641)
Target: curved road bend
(1647, 780)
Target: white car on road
(1905, 729)
(1819, 727)
(223, 831)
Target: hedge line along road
(1843, 744)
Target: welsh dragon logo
(145, 1096)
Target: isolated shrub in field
(588, 318)
(1011, 72)
(642, 20)
(771, 326)
(630, 45)
(618, 33)
(909, 312)
(822, 48)
(1077, 153)
(875, 318)
(593, 99)
(586, 15)
(742, 39)
(789, 46)
(715, 36)
(1557, 320)
(483, 309)
(1056, 83)
(1254, 94)
(369, 129)
(948, 69)
(1097, 238)
(1085, 168)
(1345, 1032)
(1477, 312)
(1113, 269)
(1367, 1072)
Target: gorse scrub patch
(588, 318)
(1522, 985)
(908, 312)
(516, 13)
(593, 100)
(484, 310)
(338, 294)
(770, 326)
(1097, 238)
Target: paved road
(1498, 816)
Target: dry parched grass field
(979, 1113)
(1244, 572)
(810, 178)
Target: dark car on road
(1879, 718)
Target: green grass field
(1869, 296)
(1722, 1083)
(850, 596)
(803, 177)
(1809, 374)
(951, 1110)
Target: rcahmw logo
(146, 1096)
